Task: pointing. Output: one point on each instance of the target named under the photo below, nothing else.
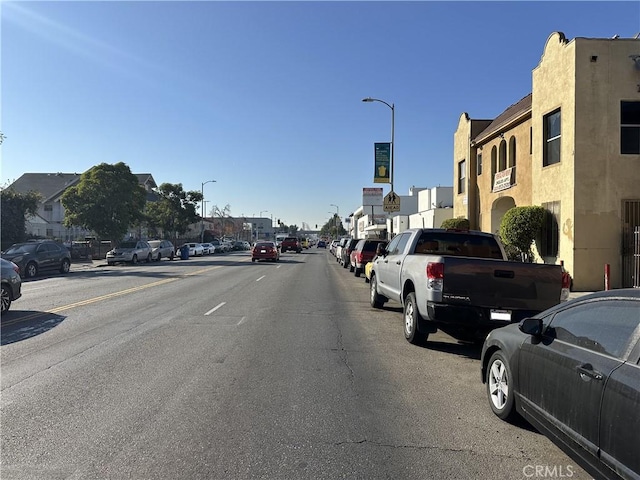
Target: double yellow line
(89, 301)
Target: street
(220, 368)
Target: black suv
(38, 255)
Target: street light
(393, 143)
(202, 217)
(337, 216)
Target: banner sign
(382, 168)
(502, 180)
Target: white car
(208, 248)
(195, 249)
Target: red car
(265, 251)
(363, 252)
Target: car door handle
(398, 262)
(586, 372)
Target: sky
(265, 97)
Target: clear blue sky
(265, 97)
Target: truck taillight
(566, 286)
(435, 276)
(435, 270)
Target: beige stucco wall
(603, 177)
(463, 203)
(554, 87)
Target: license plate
(504, 315)
(263, 251)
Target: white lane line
(257, 280)
(215, 308)
(241, 320)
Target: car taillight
(566, 286)
(435, 276)
(359, 257)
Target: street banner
(382, 168)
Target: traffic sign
(391, 202)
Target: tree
(108, 199)
(458, 222)
(519, 228)
(174, 210)
(14, 207)
(329, 229)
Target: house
(571, 146)
(49, 220)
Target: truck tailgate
(500, 284)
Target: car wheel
(109, 263)
(253, 259)
(499, 382)
(149, 259)
(134, 260)
(357, 271)
(31, 270)
(66, 266)
(411, 315)
(171, 256)
(159, 257)
(375, 299)
(6, 298)
(351, 268)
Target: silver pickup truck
(460, 282)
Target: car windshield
(154, 243)
(128, 245)
(22, 248)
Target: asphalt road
(217, 368)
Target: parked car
(208, 248)
(573, 372)
(338, 251)
(345, 253)
(11, 283)
(162, 248)
(363, 252)
(37, 256)
(195, 249)
(130, 251)
(265, 251)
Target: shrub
(458, 222)
(519, 228)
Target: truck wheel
(411, 316)
(499, 387)
(375, 299)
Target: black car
(36, 256)
(11, 283)
(573, 372)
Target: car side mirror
(380, 250)
(531, 326)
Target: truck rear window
(460, 245)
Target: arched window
(494, 163)
(503, 156)
(512, 152)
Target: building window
(552, 129)
(494, 162)
(462, 166)
(503, 156)
(512, 152)
(530, 140)
(479, 163)
(630, 128)
(550, 234)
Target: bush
(519, 228)
(459, 223)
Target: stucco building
(571, 146)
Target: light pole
(393, 143)
(202, 217)
(337, 217)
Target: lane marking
(215, 308)
(258, 279)
(90, 301)
(241, 320)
